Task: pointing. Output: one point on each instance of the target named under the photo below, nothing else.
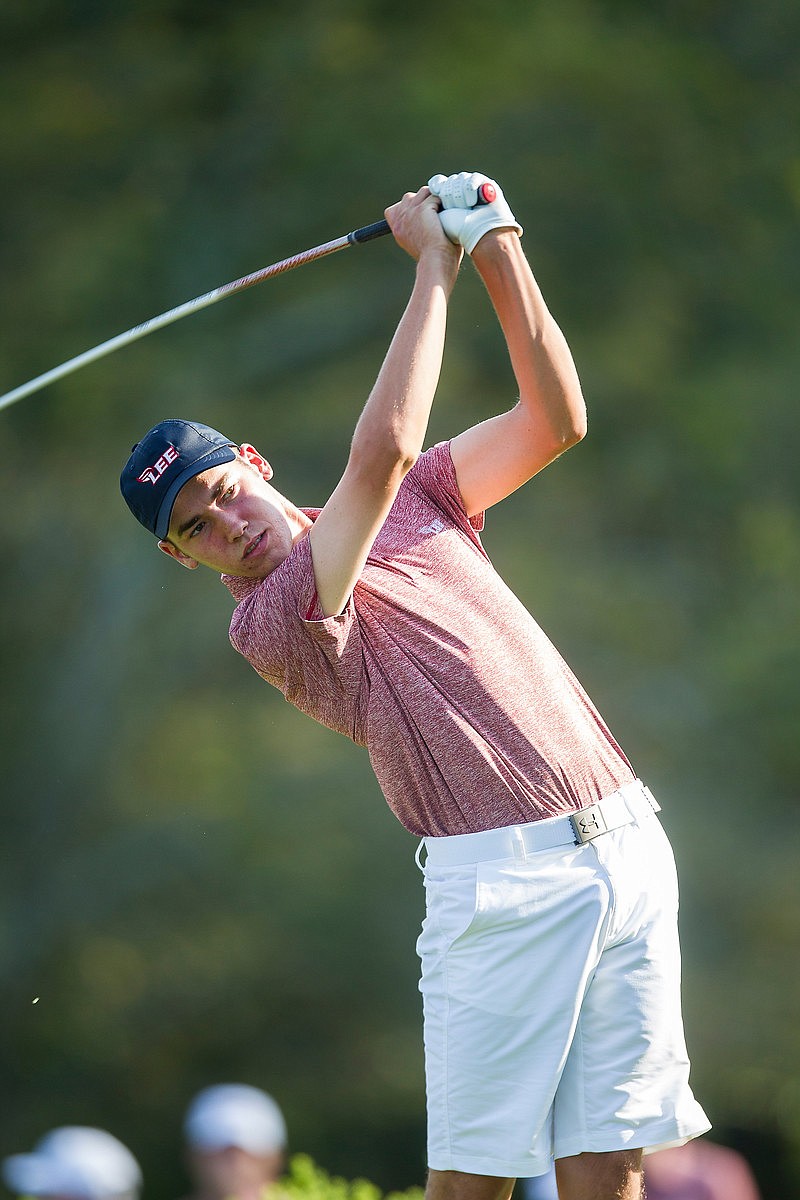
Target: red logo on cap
(154, 473)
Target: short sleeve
(317, 662)
(435, 475)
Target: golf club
(485, 195)
(365, 234)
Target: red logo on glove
(154, 473)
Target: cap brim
(220, 454)
(251, 1144)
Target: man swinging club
(550, 967)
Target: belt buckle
(588, 824)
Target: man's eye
(196, 529)
(227, 495)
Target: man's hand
(463, 217)
(416, 227)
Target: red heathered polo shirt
(471, 718)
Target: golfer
(549, 951)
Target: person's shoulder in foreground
(700, 1167)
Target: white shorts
(551, 998)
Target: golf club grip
(367, 232)
(486, 194)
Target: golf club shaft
(365, 234)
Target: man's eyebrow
(220, 487)
(187, 525)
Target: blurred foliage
(199, 884)
(307, 1180)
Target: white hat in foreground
(75, 1161)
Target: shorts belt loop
(651, 800)
(518, 842)
(418, 855)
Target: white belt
(622, 807)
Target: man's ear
(252, 456)
(178, 555)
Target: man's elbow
(385, 464)
(401, 453)
(572, 430)
(577, 431)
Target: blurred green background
(199, 884)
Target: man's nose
(233, 525)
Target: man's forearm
(391, 430)
(540, 357)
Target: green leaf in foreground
(308, 1181)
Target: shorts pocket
(535, 929)
(451, 906)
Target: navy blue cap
(167, 457)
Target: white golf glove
(466, 215)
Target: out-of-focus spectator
(235, 1142)
(700, 1170)
(75, 1162)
